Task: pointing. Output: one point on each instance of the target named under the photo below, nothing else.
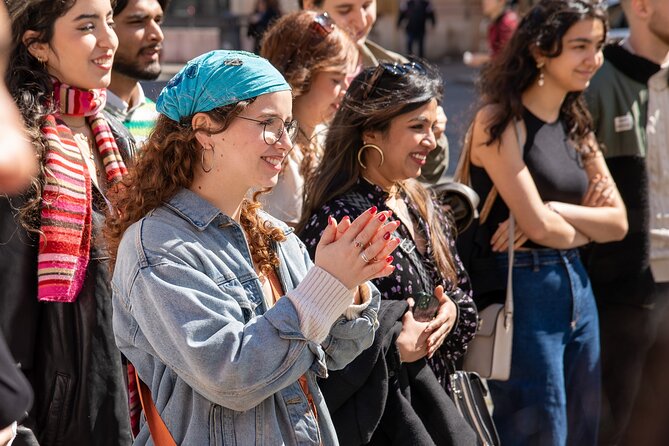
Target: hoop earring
(206, 170)
(369, 146)
(541, 80)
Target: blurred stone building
(195, 26)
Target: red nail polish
(347, 218)
(386, 236)
(330, 220)
(389, 259)
(382, 217)
(372, 210)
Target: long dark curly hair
(513, 70)
(371, 103)
(165, 165)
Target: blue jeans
(553, 395)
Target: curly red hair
(165, 166)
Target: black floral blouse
(406, 280)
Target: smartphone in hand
(425, 307)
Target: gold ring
(357, 244)
(364, 257)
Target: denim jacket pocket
(240, 292)
(303, 419)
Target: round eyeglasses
(273, 128)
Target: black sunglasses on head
(396, 69)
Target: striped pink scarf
(67, 209)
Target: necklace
(392, 191)
(84, 139)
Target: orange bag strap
(159, 433)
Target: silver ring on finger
(364, 257)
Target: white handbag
(489, 353)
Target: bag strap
(159, 433)
(463, 174)
(508, 302)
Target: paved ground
(459, 103)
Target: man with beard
(629, 101)
(137, 25)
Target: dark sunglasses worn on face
(395, 69)
(273, 128)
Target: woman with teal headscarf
(217, 304)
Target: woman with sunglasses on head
(532, 140)
(358, 17)
(56, 299)
(216, 303)
(315, 64)
(374, 151)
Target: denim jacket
(222, 368)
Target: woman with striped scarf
(56, 297)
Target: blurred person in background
(140, 39)
(629, 102)
(503, 22)
(416, 13)
(315, 63)
(264, 14)
(17, 165)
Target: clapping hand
(358, 251)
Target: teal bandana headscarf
(216, 79)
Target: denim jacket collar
(195, 209)
(200, 213)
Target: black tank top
(553, 162)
